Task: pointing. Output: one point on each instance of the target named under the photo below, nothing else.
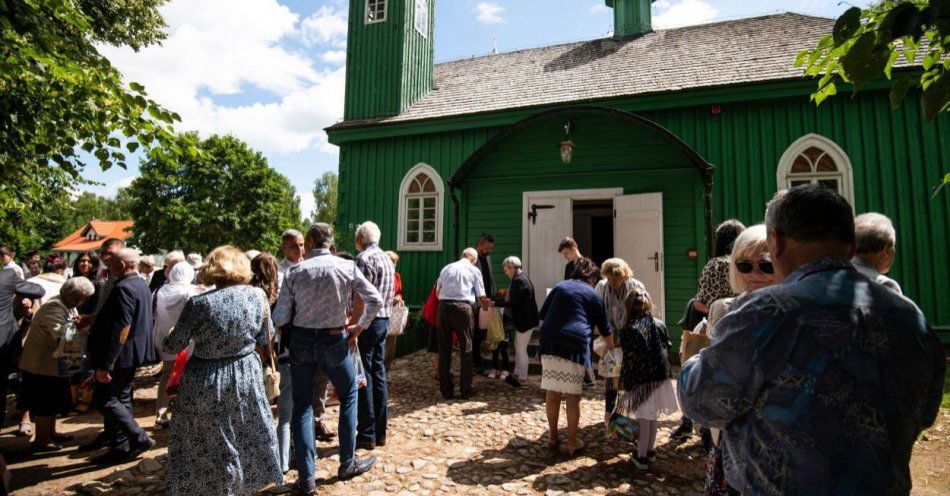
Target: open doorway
(594, 228)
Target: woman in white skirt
(568, 316)
(646, 388)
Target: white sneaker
(503, 375)
(491, 374)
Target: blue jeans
(285, 411)
(374, 397)
(310, 350)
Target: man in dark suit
(12, 289)
(121, 341)
(484, 247)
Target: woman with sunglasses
(749, 269)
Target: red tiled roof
(91, 235)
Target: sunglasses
(746, 266)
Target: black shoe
(360, 466)
(512, 381)
(380, 442)
(47, 448)
(100, 441)
(111, 457)
(366, 444)
(640, 463)
(651, 456)
(321, 433)
(137, 450)
(684, 431)
(305, 490)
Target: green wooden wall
(389, 64)
(610, 153)
(896, 157)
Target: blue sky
(271, 71)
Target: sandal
(25, 430)
(573, 451)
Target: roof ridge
(681, 28)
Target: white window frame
(415, 20)
(845, 174)
(366, 19)
(402, 244)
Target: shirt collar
(819, 265)
(317, 253)
(859, 262)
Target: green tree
(59, 95)
(225, 193)
(88, 206)
(866, 43)
(325, 198)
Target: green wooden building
(636, 145)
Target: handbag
(694, 341)
(181, 359)
(496, 329)
(271, 375)
(397, 322)
(619, 425)
(69, 349)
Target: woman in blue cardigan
(569, 315)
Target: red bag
(431, 308)
(181, 359)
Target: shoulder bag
(271, 375)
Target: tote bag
(397, 321)
(694, 341)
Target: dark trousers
(500, 354)
(8, 356)
(455, 317)
(478, 337)
(114, 401)
(371, 410)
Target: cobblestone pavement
(494, 443)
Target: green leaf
(936, 97)
(939, 187)
(847, 24)
(138, 88)
(132, 146)
(902, 20)
(900, 89)
(865, 60)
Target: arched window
(420, 210)
(814, 159)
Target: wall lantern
(567, 146)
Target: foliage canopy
(224, 193)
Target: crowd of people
(818, 378)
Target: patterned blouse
(714, 281)
(225, 323)
(821, 385)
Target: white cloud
(224, 47)
(489, 13)
(326, 25)
(334, 56)
(673, 14)
(307, 203)
(112, 189)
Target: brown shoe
(321, 432)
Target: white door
(549, 220)
(638, 239)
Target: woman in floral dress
(222, 439)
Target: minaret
(389, 56)
(632, 17)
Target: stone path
(494, 443)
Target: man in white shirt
(6, 261)
(460, 286)
(876, 243)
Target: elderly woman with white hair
(750, 268)
(45, 386)
(170, 300)
(521, 310)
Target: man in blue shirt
(312, 311)
(822, 383)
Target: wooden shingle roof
(747, 50)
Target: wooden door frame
(572, 194)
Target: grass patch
(945, 403)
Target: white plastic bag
(358, 371)
(69, 350)
(397, 322)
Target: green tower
(389, 56)
(632, 17)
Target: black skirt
(46, 395)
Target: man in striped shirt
(380, 272)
